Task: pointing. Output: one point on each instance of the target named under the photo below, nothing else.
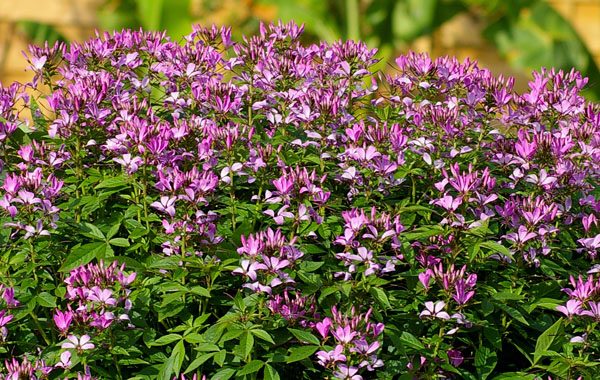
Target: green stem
(32, 253)
(40, 329)
(352, 20)
(78, 174)
(145, 190)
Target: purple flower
(249, 268)
(166, 205)
(131, 164)
(347, 373)
(573, 307)
(434, 310)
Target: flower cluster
(263, 193)
(356, 343)
(98, 298)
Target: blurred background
(512, 37)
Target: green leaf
(46, 299)
(247, 343)
(485, 362)
(199, 361)
(91, 231)
(423, 232)
(411, 341)
(179, 355)
(223, 374)
(194, 338)
(253, 366)
(304, 336)
(83, 255)
(545, 340)
(270, 373)
(119, 242)
(498, 248)
(231, 334)
(262, 334)
(311, 266)
(299, 353)
(113, 182)
(493, 336)
(381, 297)
(516, 376)
(200, 291)
(516, 314)
(507, 296)
(166, 339)
(220, 357)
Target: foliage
(254, 210)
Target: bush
(264, 209)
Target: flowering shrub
(268, 210)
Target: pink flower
(4, 318)
(63, 320)
(344, 334)
(65, 360)
(326, 358)
(130, 164)
(324, 326)
(104, 296)
(79, 344)
(572, 308)
(347, 373)
(249, 268)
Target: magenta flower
(324, 326)
(344, 334)
(425, 277)
(362, 347)
(63, 320)
(326, 358)
(252, 246)
(9, 296)
(281, 214)
(5, 318)
(455, 357)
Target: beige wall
(76, 20)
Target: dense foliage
(268, 210)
